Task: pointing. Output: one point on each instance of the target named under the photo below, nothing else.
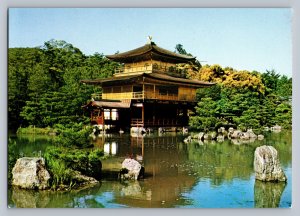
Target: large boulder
(30, 173)
(130, 169)
(266, 164)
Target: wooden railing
(137, 122)
(131, 69)
(143, 95)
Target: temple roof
(150, 51)
(149, 78)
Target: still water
(177, 175)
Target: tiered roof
(150, 51)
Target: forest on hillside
(44, 90)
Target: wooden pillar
(154, 113)
(143, 114)
(103, 121)
(143, 89)
(143, 147)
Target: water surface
(178, 175)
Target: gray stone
(244, 136)
(260, 137)
(252, 135)
(200, 136)
(276, 128)
(30, 173)
(266, 164)
(82, 179)
(231, 130)
(221, 130)
(236, 134)
(133, 167)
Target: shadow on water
(268, 194)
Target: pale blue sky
(245, 39)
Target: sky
(244, 39)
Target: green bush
(62, 162)
(75, 136)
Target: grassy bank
(35, 130)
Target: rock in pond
(30, 173)
(267, 166)
(130, 169)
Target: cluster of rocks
(31, 173)
(223, 134)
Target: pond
(177, 175)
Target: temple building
(147, 90)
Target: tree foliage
(44, 89)
(245, 99)
(44, 86)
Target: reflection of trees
(221, 162)
(224, 161)
(268, 194)
(283, 143)
(31, 145)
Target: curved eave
(127, 79)
(179, 81)
(150, 51)
(152, 78)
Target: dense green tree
(44, 86)
(207, 115)
(245, 99)
(270, 80)
(283, 115)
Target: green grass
(34, 130)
